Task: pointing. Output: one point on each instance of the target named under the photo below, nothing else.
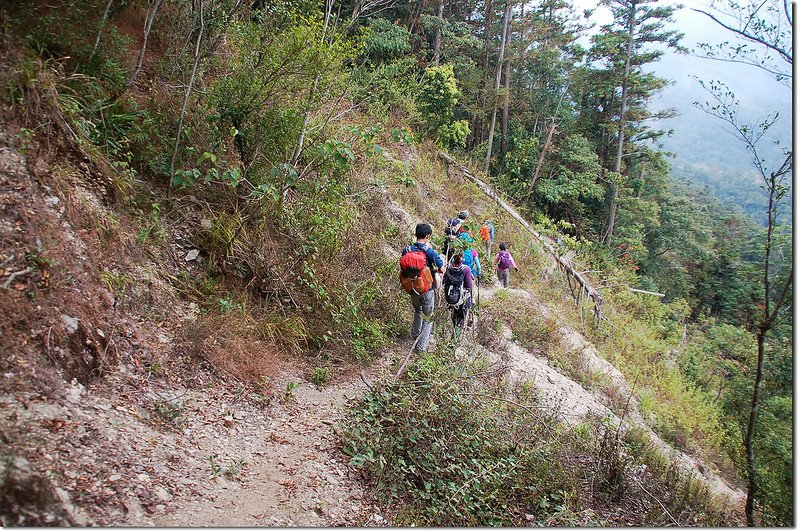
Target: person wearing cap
(453, 229)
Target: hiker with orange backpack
(487, 235)
(418, 262)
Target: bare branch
(781, 77)
(750, 37)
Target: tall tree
(493, 96)
(764, 32)
(437, 38)
(625, 46)
(152, 10)
(187, 93)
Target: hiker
(458, 288)
(453, 228)
(418, 263)
(470, 255)
(487, 235)
(504, 262)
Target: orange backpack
(415, 276)
(485, 232)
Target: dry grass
(232, 347)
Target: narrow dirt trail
(297, 476)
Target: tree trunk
(212, 48)
(186, 97)
(102, 27)
(761, 335)
(541, 161)
(488, 16)
(503, 38)
(148, 23)
(612, 211)
(437, 40)
(504, 121)
(487, 34)
(751, 429)
(307, 115)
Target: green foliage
(291, 386)
(385, 42)
(189, 177)
(437, 99)
(402, 135)
(266, 92)
(151, 229)
(774, 466)
(439, 93)
(170, 411)
(570, 182)
(294, 226)
(389, 88)
(114, 282)
(454, 134)
(37, 259)
(320, 376)
(443, 457)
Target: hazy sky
(758, 91)
(696, 28)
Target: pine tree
(621, 86)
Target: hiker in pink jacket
(504, 262)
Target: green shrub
(389, 88)
(437, 97)
(385, 42)
(454, 134)
(320, 376)
(444, 456)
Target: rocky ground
(151, 456)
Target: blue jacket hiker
(418, 263)
(471, 255)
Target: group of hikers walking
(460, 270)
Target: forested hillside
(203, 207)
(707, 154)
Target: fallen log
(545, 241)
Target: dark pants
(502, 276)
(459, 313)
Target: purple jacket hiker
(460, 313)
(504, 262)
